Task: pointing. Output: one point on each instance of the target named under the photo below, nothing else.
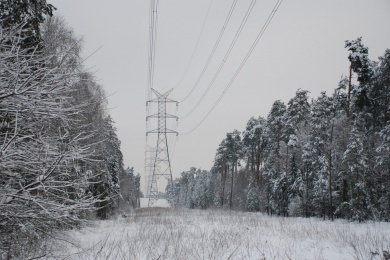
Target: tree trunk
(307, 194)
(258, 160)
(223, 180)
(330, 166)
(231, 187)
(385, 112)
(252, 160)
(287, 187)
(260, 167)
(268, 200)
(345, 190)
(349, 90)
(185, 201)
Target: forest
(327, 157)
(60, 159)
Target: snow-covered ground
(166, 233)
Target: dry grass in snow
(163, 233)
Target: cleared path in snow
(160, 203)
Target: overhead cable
(225, 58)
(196, 45)
(260, 34)
(153, 19)
(214, 49)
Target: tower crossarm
(156, 100)
(167, 131)
(166, 116)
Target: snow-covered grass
(165, 233)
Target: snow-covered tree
(201, 194)
(42, 187)
(297, 113)
(110, 161)
(275, 125)
(328, 157)
(319, 155)
(29, 14)
(383, 167)
(57, 140)
(252, 195)
(355, 157)
(254, 143)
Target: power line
(263, 29)
(153, 19)
(196, 45)
(151, 7)
(214, 49)
(227, 54)
(152, 30)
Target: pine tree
(254, 144)
(252, 195)
(319, 155)
(383, 167)
(233, 155)
(356, 160)
(129, 189)
(296, 188)
(275, 125)
(361, 65)
(200, 195)
(110, 161)
(328, 158)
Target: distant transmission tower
(160, 162)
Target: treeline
(60, 158)
(327, 157)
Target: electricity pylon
(150, 152)
(161, 165)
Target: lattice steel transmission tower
(161, 165)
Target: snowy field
(165, 233)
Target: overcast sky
(302, 48)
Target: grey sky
(302, 48)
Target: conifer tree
(252, 195)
